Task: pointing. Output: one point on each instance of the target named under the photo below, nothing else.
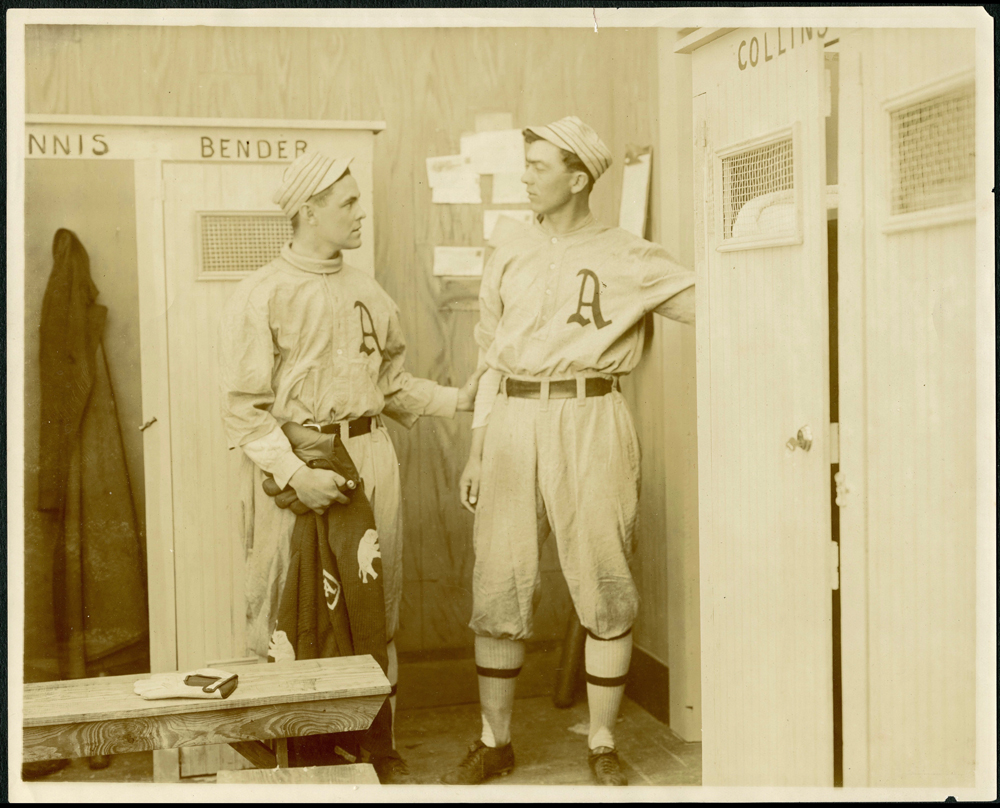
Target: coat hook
(147, 425)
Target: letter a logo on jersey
(367, 329)
(594, 304)
(331, 588)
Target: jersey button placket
(554, 275)
(337, 344)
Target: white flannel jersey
(302, 339)
(557, 306)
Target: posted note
(490, 217)
(463, 262)
(635, 195)
(453, 181)
(495, 152)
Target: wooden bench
(103, 716)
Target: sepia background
(903, 366)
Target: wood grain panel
(112, 698)
(256, 753)
(113, 737)
(919, 290)
(764, 511)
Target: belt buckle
(312, 425)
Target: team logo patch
(367, 330)
(367, 553)
(594, 304)
(331, 588)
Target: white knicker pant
(568, 466)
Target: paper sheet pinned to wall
(495, 152)
(465, 193)
(453, 181)
(445, 170)
(635, 192)
(490, 217)
(460, 262)
(509, 190)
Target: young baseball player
(554, 449)
(312, 340)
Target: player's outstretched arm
(467, 392)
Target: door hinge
(842, 490)
(834, 565)
(834, 444)
(701, 136)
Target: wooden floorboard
(550, 744)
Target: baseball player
(312, 340)
(554, 449)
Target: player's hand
(317, 488)
(468, 485)
(467, 392)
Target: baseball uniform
(564, 307)
(311, 340)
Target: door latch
(803, 440)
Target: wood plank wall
(919, 395)
(427, 85)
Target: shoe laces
(399, 765)
(474, 759)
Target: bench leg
(257, 753)
(263, 756)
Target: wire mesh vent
(758, 191)
(934, 152)
(241, 242)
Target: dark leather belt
(359, 426)
(564, 388)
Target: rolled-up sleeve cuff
(443, 403)
(284, 467)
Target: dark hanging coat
(99, 572)
(333, 603)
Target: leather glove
(203, 683)
(286, 498)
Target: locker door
(908, 456)
(763, 395)
(218, 217)
(200, 235)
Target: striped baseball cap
(575, 136)
(307, 176)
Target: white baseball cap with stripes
(305, 177)
(573, 135)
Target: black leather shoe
(482, 763)
(607, 768)
(392, 770)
